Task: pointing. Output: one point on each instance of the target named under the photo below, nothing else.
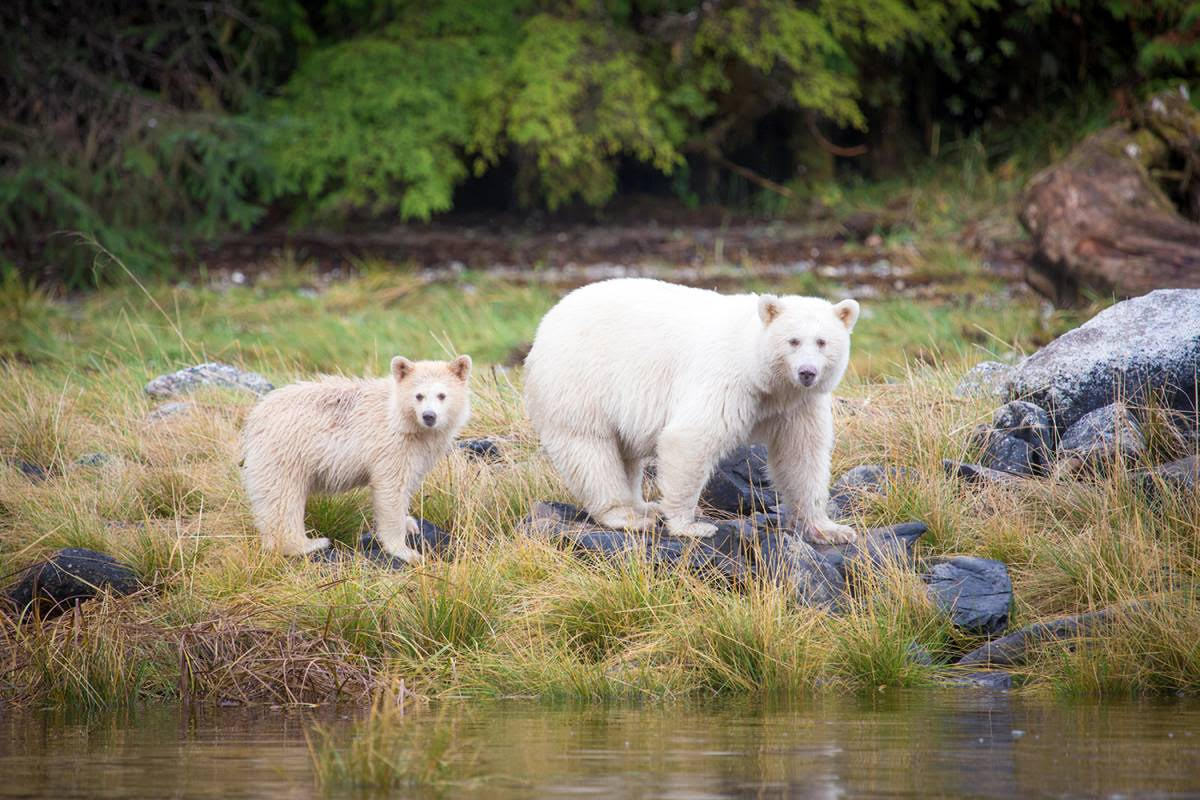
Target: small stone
(484, 449)
(848, 492)
(67, 578)
(1007, 453)
(166, 410)
(434, 541)
(985, 379)
(35, 472)
(1030, 424)
(1016, 648)
(975, 592)
(975, 473)
(93, 460)
(1101, 436)
(208, 374)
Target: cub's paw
(413, 527)
(311, 546)
(407, 555)
(627, 519)
(694, 530)
(830, 532)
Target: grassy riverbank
(512, 616)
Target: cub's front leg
(800, 448)
(393, 525)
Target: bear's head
(806, 339)
(431, 395)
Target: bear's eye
(821, 344)
(420, 397)
(441, 396)
(794, 342)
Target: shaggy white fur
(626, 369)
(336, 434)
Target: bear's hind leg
(593, 470)
(280, 520)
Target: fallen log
(1101, 220)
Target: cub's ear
(401, 368)
(461, 367)
(769, 307)
(847, 312)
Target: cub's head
(807, 340)
(432, 395)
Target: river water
(967, 743)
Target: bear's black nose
(807, 375)
(429, 418)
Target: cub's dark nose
(429, 418)
(807, 375)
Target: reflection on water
(913, 743)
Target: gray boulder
(987, 679)
(1007, 453)
(1023, 441)
(208, 374)
(848, 492)
(1139, 346)
(975, 592)
(67, 578)
(985, 379)
(1101, 436)
(740, 483)
(1182, 475)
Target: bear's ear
(847, 312)
(769, 308)
(401, 368)
(461, 367)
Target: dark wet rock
(1148, 344)
(208, 374)
(1015, 648)
(1102, 436)
(93, 460)
(1005, 453)
(35, 472)
(1181, 476)
(875, 548)
(1027, 423)
(484, 449)
(434, 542)
(976, 473)
(987, 679)
(167, 410)
(67, 578)
(975, 592)
(740, 483)
(985, 379)
(741, 549)
(850, 490)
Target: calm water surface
(929, 744)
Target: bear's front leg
(392, 522)
(799, 452)
(685, 460)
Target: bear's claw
(829, 532)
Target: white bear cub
(626, 369)
(336, 434)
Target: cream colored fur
(336, 434)
(627, 369)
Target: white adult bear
(626, 369)
(336, 434)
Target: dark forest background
(154, 126)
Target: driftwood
(1100, 218)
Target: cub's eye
(420, 397)
(441, 396)
(821, 344)
(794, 342)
